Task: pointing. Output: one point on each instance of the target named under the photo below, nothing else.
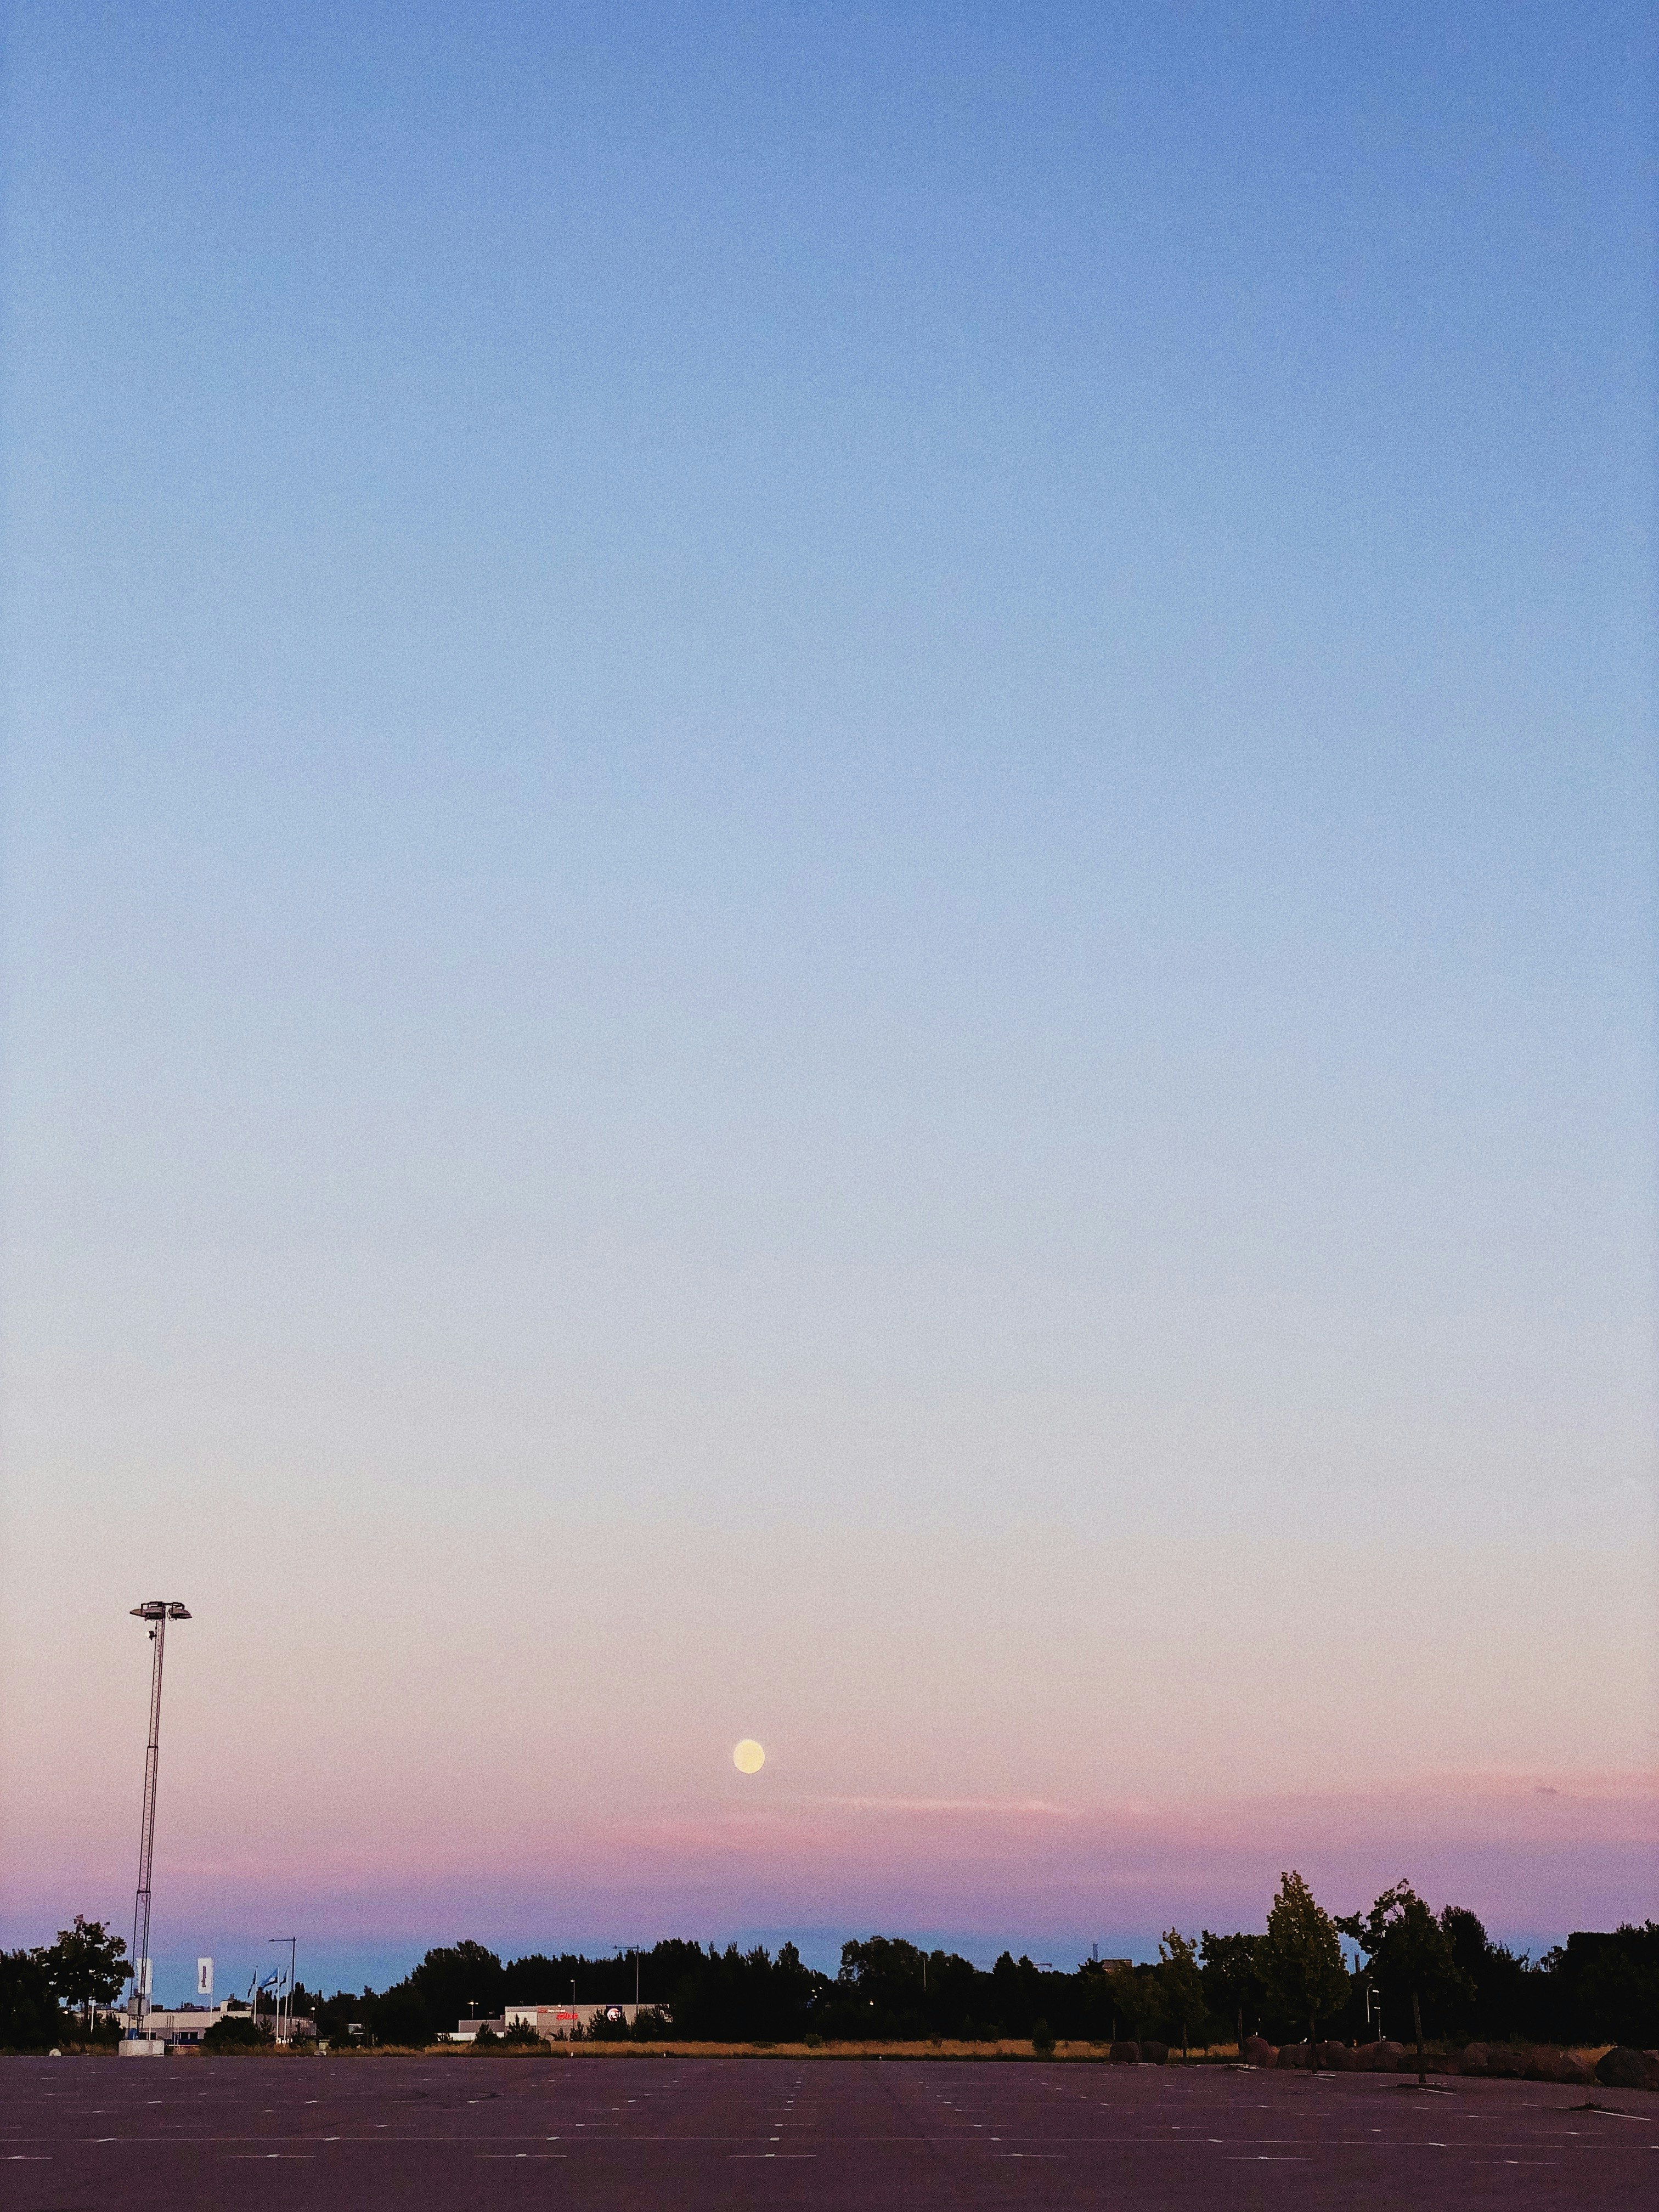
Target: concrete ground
(367, 2133)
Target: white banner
(204, 1977)
(141, 1980)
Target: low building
(553, 2023)
(184, 2026)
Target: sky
(828, 915)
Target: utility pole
(158, 1611)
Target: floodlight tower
(158, 1611)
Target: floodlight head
(177, 1612)
(160, 1608)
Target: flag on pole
(204, 1977)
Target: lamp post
(632, 1951)
(158, 1611)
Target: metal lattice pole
(158, 1612)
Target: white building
(553, 2023)
(558, 2022)
(185, 2024)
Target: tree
(1409, 1954)
(449, 1983)
(885, 1978)
(1606, 1985)
(86, 1967)
(29, 2017)
(1180, 1987)
(1233, 1987)
(1301, 1958)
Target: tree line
(1290, 1980)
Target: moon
(748, 1757)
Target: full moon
(749, 1758)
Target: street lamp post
(158, 1612)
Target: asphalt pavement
(367, 2134)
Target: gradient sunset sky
(830, 836)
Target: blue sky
(866, 794)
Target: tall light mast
(158, 1611)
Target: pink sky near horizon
(472, 1760)
(1535, 1856)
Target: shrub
(1043, 2038)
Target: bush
(1043, 2038)
(233, 2033)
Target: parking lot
(592, 2129)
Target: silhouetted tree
(1301, 1958)
(86, 1967)
(1180, 1987)
(1410, 1956)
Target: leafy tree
(1015, 1995)
(401, 2017)
(1131, 2000)
(1409, 1955)
(86, 1967)
(733, 1996)
(235, 2033)
(1233, 1987)
(1179, 1985)
(29, 2016)
(1605, 1987)
(448, 1984)
(1043, 2038)
(1300, 1958)
(1504, 1985)
(885, 1977)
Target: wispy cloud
(1017, 1808)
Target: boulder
(1294, 2054)
(1125, 2054)
(1330, 2056)
(1541, 2065)
(1385, 2057)
(1258, 2051)
(1574, 2070)
(1505, 2063)
(1153, 2054)
(1475, 2056)
(1621, 2068)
